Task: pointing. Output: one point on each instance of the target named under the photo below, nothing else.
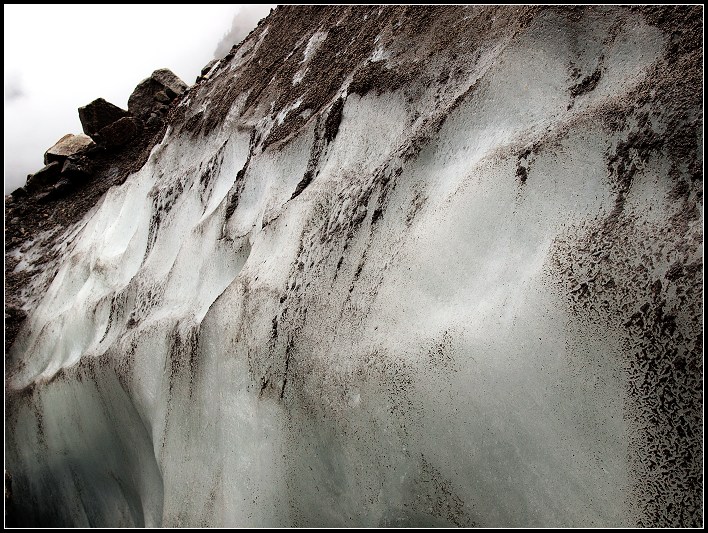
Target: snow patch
(313, 44)
(280, 117)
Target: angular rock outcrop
(153, 93)
(68, 145)
(119, 133)
(20, 192)
(69, 159)
(59, 190)
(204, 73)
(99, 114)
(47, 175)
(77, 169)
(205, 70)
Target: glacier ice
(418, 337)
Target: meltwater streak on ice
(370, 317)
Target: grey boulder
(69, 145)
(44, 177)
(119, 133)
(99, 114)
(152, 93)
(76, 169)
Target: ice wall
(474, 301)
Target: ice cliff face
(388, 266)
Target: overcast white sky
(60, 57)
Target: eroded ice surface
(421, 334)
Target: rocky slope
(384, 266)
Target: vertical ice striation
(458, 283)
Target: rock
(63, 186)
(154, 122)
(161, 96)
(44, 197)
(15, 313)
(76, 170)
(20, 192)
(160, 88)
(142, 101)
(47, 175)
(169, 80)
(99, 114)
(68, 145)
(60, 189)
(14, 317)
(8, 486)
(208, 67)
(119, 133)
